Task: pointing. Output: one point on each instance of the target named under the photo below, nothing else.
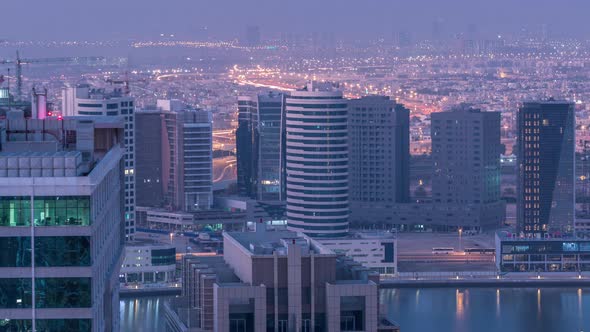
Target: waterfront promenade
(486, 279)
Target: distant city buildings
(253, 37)
(85, 100)
(317, 161)
(379, 168)
(61, 223)
(546, 158)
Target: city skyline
(309, 166)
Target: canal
(440, 310)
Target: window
(62, 211)
(63, 293)
(15, 293)
(15, 211)
(90, 105)
(79, 325)
(15, 251)
(62, 251)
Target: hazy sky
(121, 19)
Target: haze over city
(348, 19)
(246, 166)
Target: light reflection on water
(439, 310)
(465, 310)
(144, 314)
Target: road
(224, 169)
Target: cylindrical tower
(317, 161)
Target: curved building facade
(317, 161)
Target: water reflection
(497, 303)
(440, 310)
(459, 298)
(142, 314)
(517, 309)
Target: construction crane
(63, 60)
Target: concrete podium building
(276, 281)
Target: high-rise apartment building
(466, 153)
(546, 160)
(379, 150)
(268, 147)
(244, 145)
(86, 100)
(61, 230)
(317, 161)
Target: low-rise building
(527, 254)
(276, 281)
(374, 250)
(147, 261)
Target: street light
(171, 236)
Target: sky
(225, 19)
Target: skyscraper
(244, 145)
(85, 100)
(148, 158)
(546, 159)
(379, 149)
(188, 160)
(466, 153)
(268, 150)
(174, 157)
(61, 230)
(317, 160)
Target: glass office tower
(546, 184)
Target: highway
(224, 169)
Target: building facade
(546, 166)
(88, 101)
(524, 254)
(188, 160)
(276, 281)
(374, 250)
(317, 161)
(244, 145)
(148, 157)
(379, 149)
(268, 147)
(61, 223)
(148, 262)
(466, 153)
